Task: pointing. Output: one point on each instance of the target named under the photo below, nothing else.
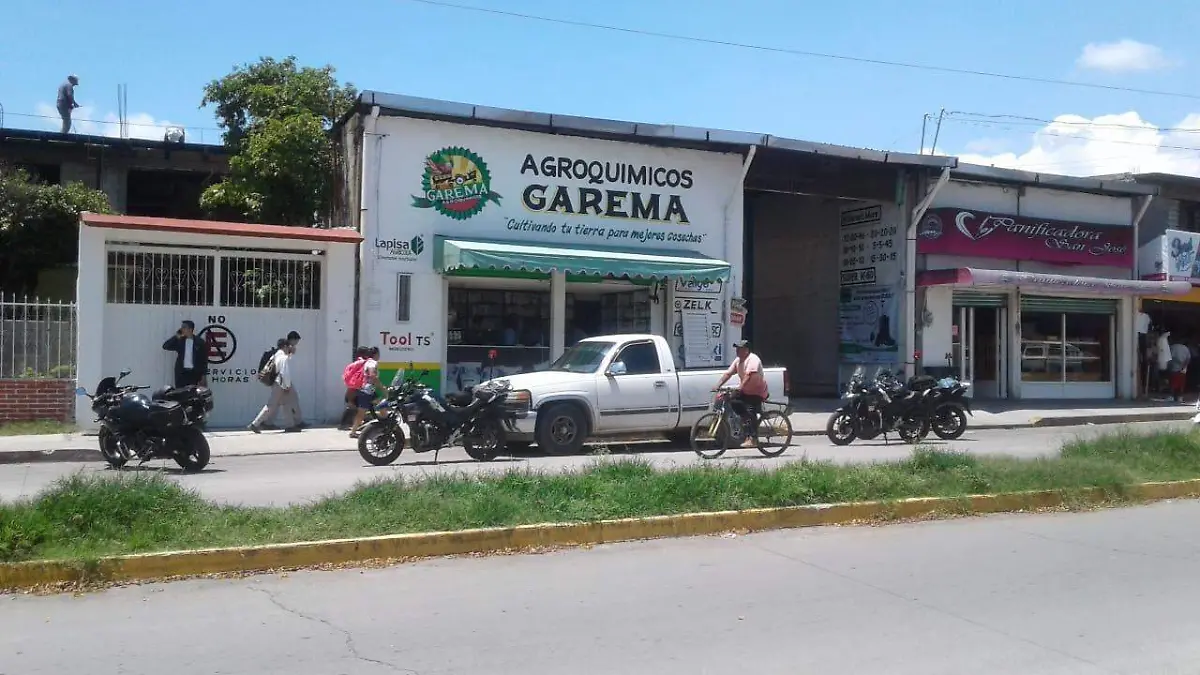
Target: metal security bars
(274, 282)
(154, 278)
(190, 278)
(37, 338)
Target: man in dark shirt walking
(66, 101)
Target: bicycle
(722, 426)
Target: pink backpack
(354, 374)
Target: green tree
(276, 118)
(39, 226)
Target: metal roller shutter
(978, 299)
(1035, 303)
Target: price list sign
(871, 246)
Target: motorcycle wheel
(379, 445)
(485, 443)
(109, 450)
(195, 453)
(840, 428)
(914, 429)
(949, 422)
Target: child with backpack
(352, 377)
(364, 396)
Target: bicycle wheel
(710, 436)
(774, 433)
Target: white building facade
(488, 250)
(1029, 287)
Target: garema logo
(456, 184)
(222, 343)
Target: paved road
(1103, 592)
(262, 480)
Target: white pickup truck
(615, 385)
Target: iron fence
(37, 338)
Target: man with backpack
(276, 373)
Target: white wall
(128, 335)
(396, 167)
(1079, 207)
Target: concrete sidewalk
(809, 418)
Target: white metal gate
(242, 302)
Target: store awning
(453, 255)
(969, 277)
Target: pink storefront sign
(969, 232)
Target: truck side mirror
(616, 368)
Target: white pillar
(89, 317)
(558, 314)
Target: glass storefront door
(979, 348)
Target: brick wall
(31, 399)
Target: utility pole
(937, 131)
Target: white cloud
(1107, 144)
(86, 120)
(1122, 56)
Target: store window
(1066, 347)
(515, 324)
(607, 313)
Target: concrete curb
(93, 455)
(1037, 422)
(249, 559)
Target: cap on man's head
(188, 323)
(742, 344)
(73, 78)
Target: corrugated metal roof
(215, 227)
(412, 106)
(1116, 187)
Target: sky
(165, 55)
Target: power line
(1037, 121)
(799, 52)
(1090, 139)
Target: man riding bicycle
(752, 386)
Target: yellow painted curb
(17, 576)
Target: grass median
(87, 516)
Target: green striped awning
(474, 257)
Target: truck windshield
(582, 357)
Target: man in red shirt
(752, 385)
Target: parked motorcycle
(949, 407)
(878, 406)
(165, 425)
(478, 418)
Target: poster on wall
(868, 318)
(871, 245)
(701, 300)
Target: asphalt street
(1110, 591)
(262, 480)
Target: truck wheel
(561, 429)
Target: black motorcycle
(478, 417)
(165, 425)
(949, 407)
(876, 407)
